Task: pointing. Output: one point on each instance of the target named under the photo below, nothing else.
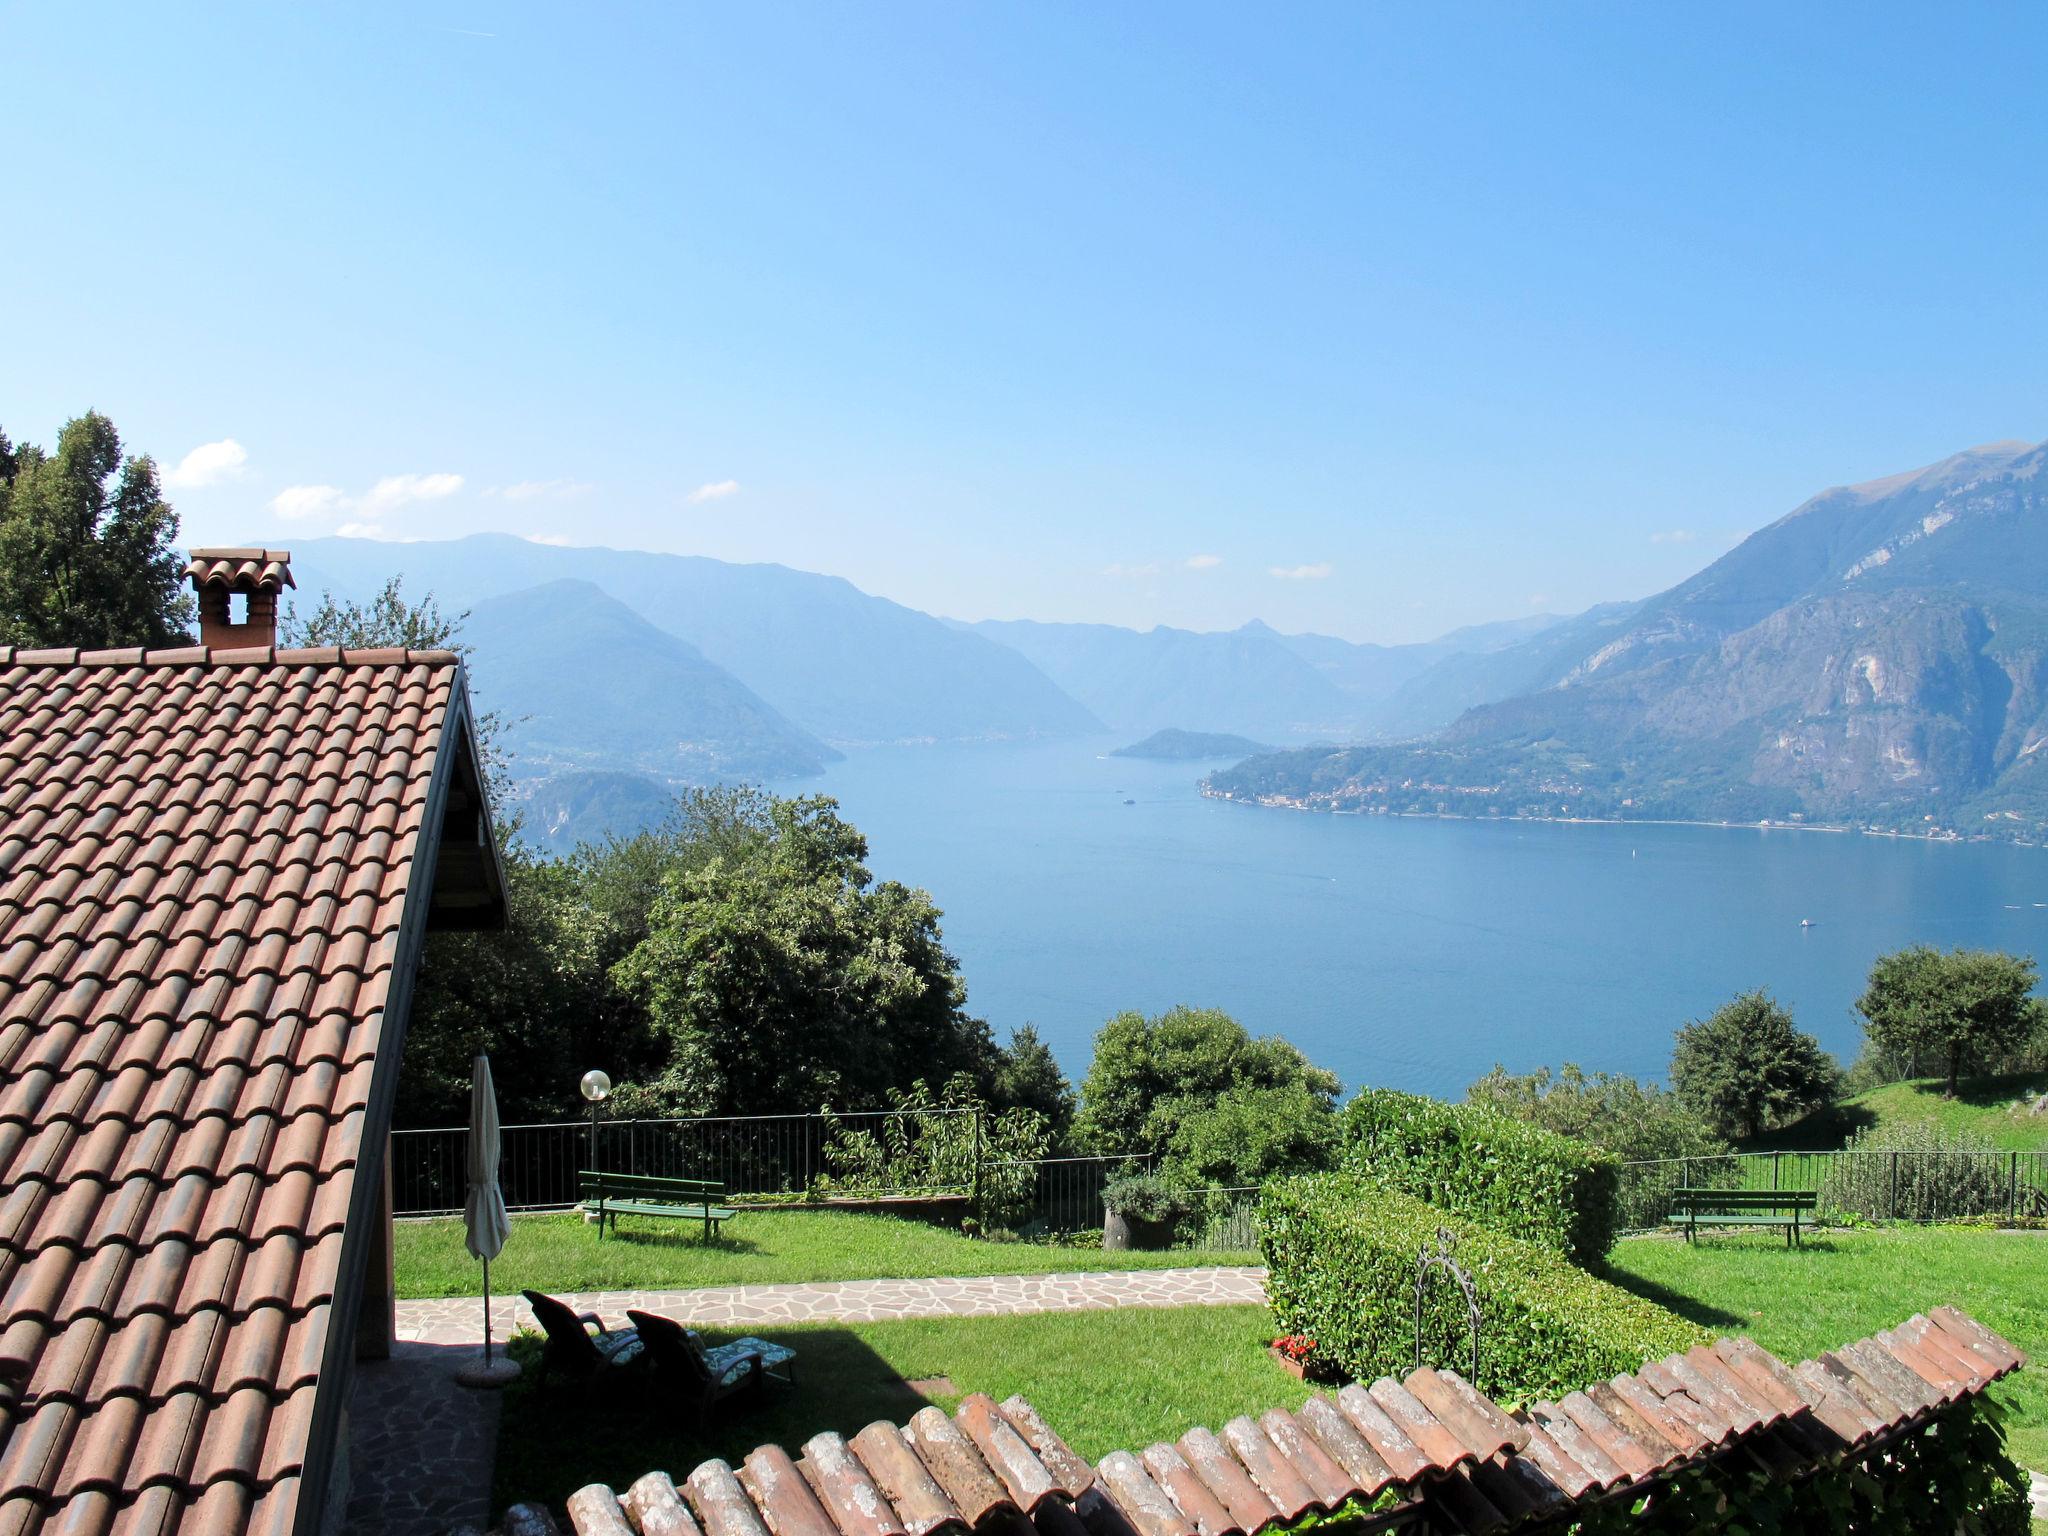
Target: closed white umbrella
(484, 1223)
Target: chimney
(238, 595)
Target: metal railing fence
(1224, 1220)
(851, 1155)
(748, 1154)
(1063, 1194)
(1873, 1184)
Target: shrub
(1147, 1197)
(921, 1148)
(1635, 1120)
(1247, 1135)
(1150, 1074)
(1915, 1172)
(1472, 1162)
(1341, 1254)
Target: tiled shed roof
(213, 870)
(1000, 1471)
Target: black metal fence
(749, 1155)
(853, 1155)
(1224, 1220)
(1065, 1193)
(1874, 1184)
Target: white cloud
(397, 490)
(552, 540)
(715, 490)
(1538, 599)
(534, 490)
(1123, 572)
(308, 501)
(1674, 536)
(1314, 572)
(360, 531)
(208, 464)
(1203, 562)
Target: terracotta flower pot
(1298, 1369)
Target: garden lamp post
(596, 1088)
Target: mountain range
(1879, 654)
(618, 676)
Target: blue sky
(1364, 319)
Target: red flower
(1295, 1347)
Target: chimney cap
(241, 570)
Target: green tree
(1149, 1075)
(1634, 1120)
(88, 545)
(1027, 1077)
(1249, 1135)
(1747, 1067)
(1963, 1008)
(787, 977)
(386, 620)
(534, 996)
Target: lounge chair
(702, 1377)
(573, 1350)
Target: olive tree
(1963, 1007)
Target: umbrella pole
(487, 1311)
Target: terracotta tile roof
(261, 570)
(1431, 1438)
(212, 873)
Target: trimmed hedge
(1341, 1253)
(1517, 1178)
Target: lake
(1397, 952)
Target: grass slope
(1995, 1108)
(1844, 1286)
(559, 1252)
(1104, 1380)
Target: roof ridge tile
(1627, 1432)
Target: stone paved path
(421, 1449)
(459, 1320)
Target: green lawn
(1844, 1286)
(1105, 1380)
(560, 1252)
(1992, 1107)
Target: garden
(1531, 1218)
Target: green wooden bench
(1787, 1208)
(612, 1195)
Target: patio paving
(459, 1320)
(421, 1449)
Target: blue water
(1404, 953)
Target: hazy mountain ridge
(848, 667)
(1240, 681)
(1255, 681)
(1173, 746)
(1879, 654)
(582, 682)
